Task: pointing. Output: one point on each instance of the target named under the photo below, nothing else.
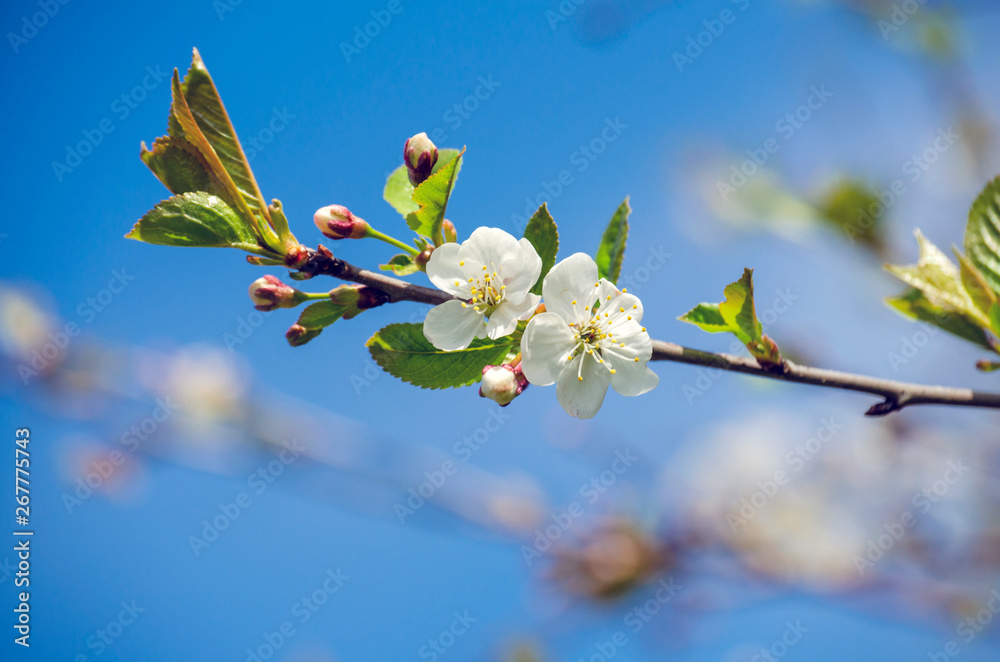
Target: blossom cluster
(585, 336)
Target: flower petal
(623, 307)
(489, 247)
(583, 398)
(569, 288)
(521, 275)
(444, 271)
(545, 348)
(452, 326)
(504, 319)
(631, 377)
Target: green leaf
(205, 105)
(853, 207)
(401, 265)
(316, 317)
(914, 305)
(738, 309)
(432, 196)
(982, 234)
(995, 318)
(399, 191)
(180, 166)
(939, 279)
(707, 317)
(194, 219)
(404, 352)
(541, 231)
(738, 316)
(611, 251)
(975, 284)
(322, 314)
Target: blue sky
(329, 123)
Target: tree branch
(895, 395)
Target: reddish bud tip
(420, 155)
(337, 222)
(269, 293)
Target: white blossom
(591, 336)
(491, 273)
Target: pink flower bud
(337, 222)
(502, 383)
(448, 229)
(420, 155)
(299, 335)
(269, 293)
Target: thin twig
(895, 395)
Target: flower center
(590, 338)
(487, 291)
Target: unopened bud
(345, 295)
(423, 257)
(420, 155)
(502, 383)
(296, 256)
(448, 228)
(337, 222)
(300, 335)
(269, 293)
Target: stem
(316, 296)
(375, 234)
(896, 395)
